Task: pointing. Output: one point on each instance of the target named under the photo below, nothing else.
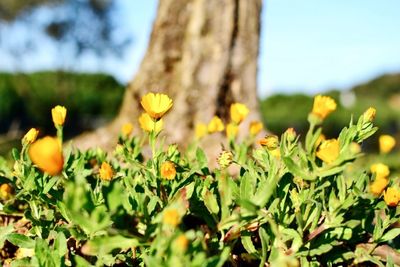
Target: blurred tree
(85, 25)
(202, 53)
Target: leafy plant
(288, 204)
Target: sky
(306, 45)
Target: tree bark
(203, 54)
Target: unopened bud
(271, 142)
(369, 114)
(225, 159)
(291, 134)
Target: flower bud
(271, 142)
(391, 196)
(225, 159)
(291, 134)
(30, 136)
(106, 171)
(369, 114)
(168, 170)
(58, 114)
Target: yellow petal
(200, 130)
(323, 106)
(238, 112)
(149, 125)
(46, 154)
(215, 125)
(30, 136)
(156, 105)
(168, 170)
(255, 127)
(106, 172)
(386, 143)
(58, 114)
(329, 150)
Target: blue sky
(306, 45)
(313, 45)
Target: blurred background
(82, 54)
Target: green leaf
(115, 196)
(4, 232)
(15, 154)
(246, 186)
(265, 190)
(21, 241)
(211, 202)
(201, 159)
(50, 184)
(44, 255)
(248, 245)
(81, 262)
(390, 235)
(378, 229)
(264, 245)
(60, 245)
(106, 244)
(341, 233)
(63, 210)
(296, 170)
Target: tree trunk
(203, 54)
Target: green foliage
(284, 207)
(283, 111)
(27, 98)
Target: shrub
(26, 98)
(290, 203)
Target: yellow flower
(181, 243)
(369, 114)
(171, 217)
(378, 186)
(255, 127)
(46, 154)
(329, 150)
(391, 196)
(106, 171)
(238, 112)
(168, 170)
(323, 106)
(5, 191)
(30, 136)
(156, 105)
(127, 129)
(59, 113)
(232, 130)
(380, 170)
(149, 125)
(201, 130)
(271, 142)
(386, 143)
(215, 125)
(225, 159)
